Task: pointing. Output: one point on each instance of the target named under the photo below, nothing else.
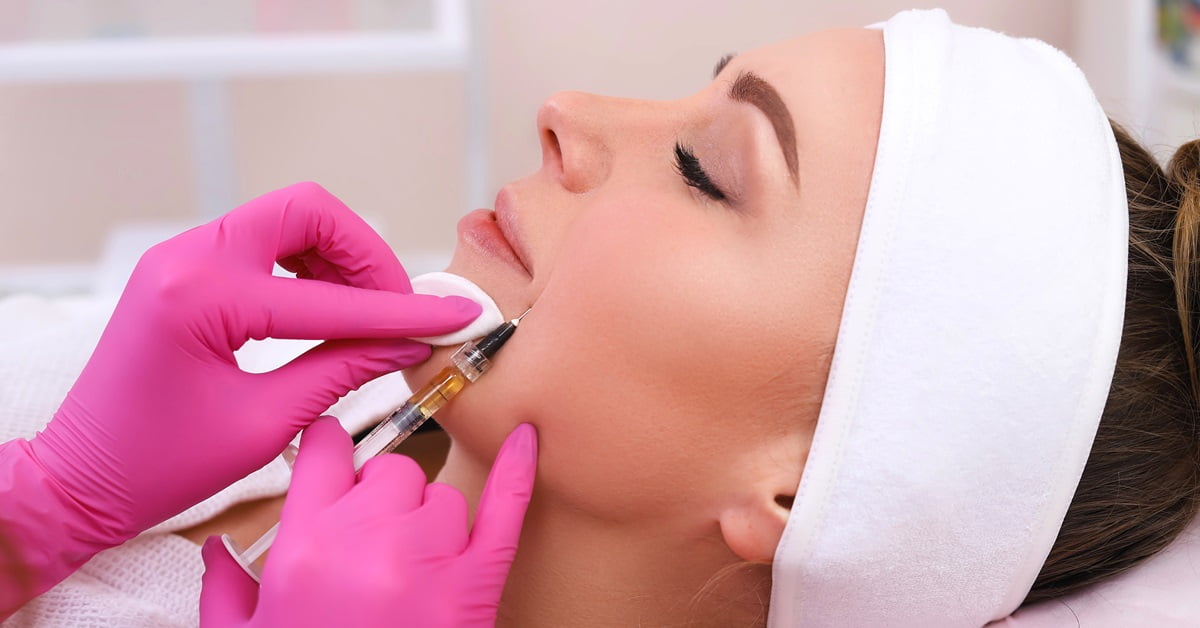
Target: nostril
(551, 141)
(574, 152)
(551, 150)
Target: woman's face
(676, 353)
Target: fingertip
(464, 307)
(397, 477)
(427, 314)
(217, 553)
(516, 464)
(212, 544)
(529, 433)
(522, 442)
(393, 468)
(227, 595)
(323, 428)
(408, 353)
(441, 492)
(324, 469)
(507, 493)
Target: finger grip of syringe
(389, 434)
(383, 439)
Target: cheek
(637, 363)
(586, 366)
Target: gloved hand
(388, 550)
(162, 417)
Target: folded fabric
(977, 341)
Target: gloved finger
(320, 376)
(504, 500)
(323, 473)
(227, 595)
(450, 507)
(306, 217)
(394, 480)
(283, 307)
(295, 266)
(311, 266)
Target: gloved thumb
(323, 473)
(228, 595)
(505, 497)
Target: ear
(753, 529)
(752, 522)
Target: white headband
(977, 341)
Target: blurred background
(125, 121)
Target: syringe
(468, 364)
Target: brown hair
(1140, 486)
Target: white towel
(977, 341)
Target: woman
(693, 267)
(688, 264)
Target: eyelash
(693, 173)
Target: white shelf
(124, 60)
(445, 45)
(205, 63)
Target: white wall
(74, 160)
(667, 48)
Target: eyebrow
(722, 63)
(748, 87)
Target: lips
(506, 219)
(480, 230)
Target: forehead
(832, 84)
(844, 60)
(827, 79)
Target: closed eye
(693, 173)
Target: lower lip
(479, 229)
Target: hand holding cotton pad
(442, 284)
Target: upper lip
(510, 226)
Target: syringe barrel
(404, 421)
(470, 362)
(389, 434)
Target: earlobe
(756, 511)
(753, 528)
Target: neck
(573, 569)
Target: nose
(576, 140)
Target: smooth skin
(676, 355)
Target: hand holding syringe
(468, 364)
(380, 548)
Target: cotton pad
(442, 284)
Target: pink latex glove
(162, 417)
(388, 550)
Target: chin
(482, 415)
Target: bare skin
(677, 351)
(676, 357)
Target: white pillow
(1163, 592)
